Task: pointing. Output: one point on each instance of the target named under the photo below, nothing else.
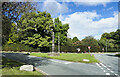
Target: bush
(19, 47)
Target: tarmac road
(60, 67)
(110, 62)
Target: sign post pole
(89, 48)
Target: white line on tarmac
(68, 62)
(101, 68)
(102, 64)
(61, 62)
(112, 71)
(98, 65)
(116, 74)
(107, 73)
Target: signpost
(89, 48)
(78, 49)
(103, 49)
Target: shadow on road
(111, 55)
(35, 61)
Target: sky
(88, 18)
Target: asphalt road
(109, 62)
(60, 67)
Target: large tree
(75, 39)
(92, 42)
(34, 29)
(112, 39)
(61, 31)
(11, 12)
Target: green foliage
(34, 29)
(14, 9)
(69, 42)
(112, 39)
(75, 39)
(11, 12)
(90, 41)
(13, 36)
(19, 47)
(6, 25)
(61, 31)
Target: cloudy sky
(85, 18)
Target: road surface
(109, 62)
(60, 67)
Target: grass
(69, 57)
(118, 55)
(10, 67)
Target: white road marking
(109, 66)
(101, 68)
(107, 73)
(108, 69)
(68, 62)
(63, 62)
(112, 71)
(102, 64)
(104, 71)
(98, 65)
(116, 74)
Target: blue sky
(84, 18)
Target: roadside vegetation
(10, 67)
(118, 55)
(69, 57)
(30, 30)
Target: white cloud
(90, 2)
(54, 7)
(110, 8)
(82, 24)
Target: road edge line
(44, 73)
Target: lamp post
(106, 45)
(58, 43)
(53, 44)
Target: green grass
(10, 67)
(69, 57)
(118, 55)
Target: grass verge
(118, 55)
(10, 67)
(69, 57)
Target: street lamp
(53, 44)
(107, 41)
(106, 45)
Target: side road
(59, 67)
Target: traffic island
(53, 54)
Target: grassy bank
(69, 57)
(10, 67)
(118, 55)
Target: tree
(112, 38)
(90, 41)
(69, 42)
(14, 9)
(11, 12)
(34, 29)
(75, 39)
(6, 25)
(61, 31)
(105, 35)
(13, 36)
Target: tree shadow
(9, 63)
(20, 57)
(111, 55)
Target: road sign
(88, 47)
(103, 49)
